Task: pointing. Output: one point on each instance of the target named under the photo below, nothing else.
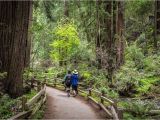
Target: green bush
(31, 94)
(145, 84)
(39, 114)
(152, 65)
(134, 54)
(139, 71)
(6, 105)
(139, 108)
(109, 92)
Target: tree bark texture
(14, 43)
(120, 33)
(111, 51)
(157, 23)
(66, 9)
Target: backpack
(68, 79)
(74, 79)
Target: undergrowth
(10, 107)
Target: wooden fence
(30, 107)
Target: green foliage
(41, 32)
(139, 108)
(109, 92)
(152, 65)
(65, 42)
(84, 52)
(28, 74)
(39, 114)
(134, 53)
(139, 7)
(31, 94)
(140, 71)
(6, 104)
(86, 75)
(129, 75)
(146, 83)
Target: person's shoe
(74, 92)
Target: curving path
(59, 106)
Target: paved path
(59, 106)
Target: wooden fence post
(102, 94)
(32, 81)
(38, 86)
(115, 105)
(120, 113)
(24, 101)
(55, 82)
(45, 81)
(89, 92)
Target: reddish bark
(14, 43)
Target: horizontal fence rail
(30, 107)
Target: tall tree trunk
(110, 38)
(14, 44)
(157, 23)
(66, 11)
(66, 14)
(29, 39)
(119, 33)
(98, 35)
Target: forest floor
(59, 106)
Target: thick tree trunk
(14, 44)
(110, 40)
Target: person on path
(74, 82)
(67, 82)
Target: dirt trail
(59, 106)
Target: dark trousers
(75, 87)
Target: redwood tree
(15, 17)
(109, 42)
(120, 34)
(157, 22)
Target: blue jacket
(74, 79)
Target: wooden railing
(30, 107)
(108, 105)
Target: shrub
(6, 104)
(109, 92)
(140, 108)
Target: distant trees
(110, 42)
(15, 17)
(120, 33)
(157, 23)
